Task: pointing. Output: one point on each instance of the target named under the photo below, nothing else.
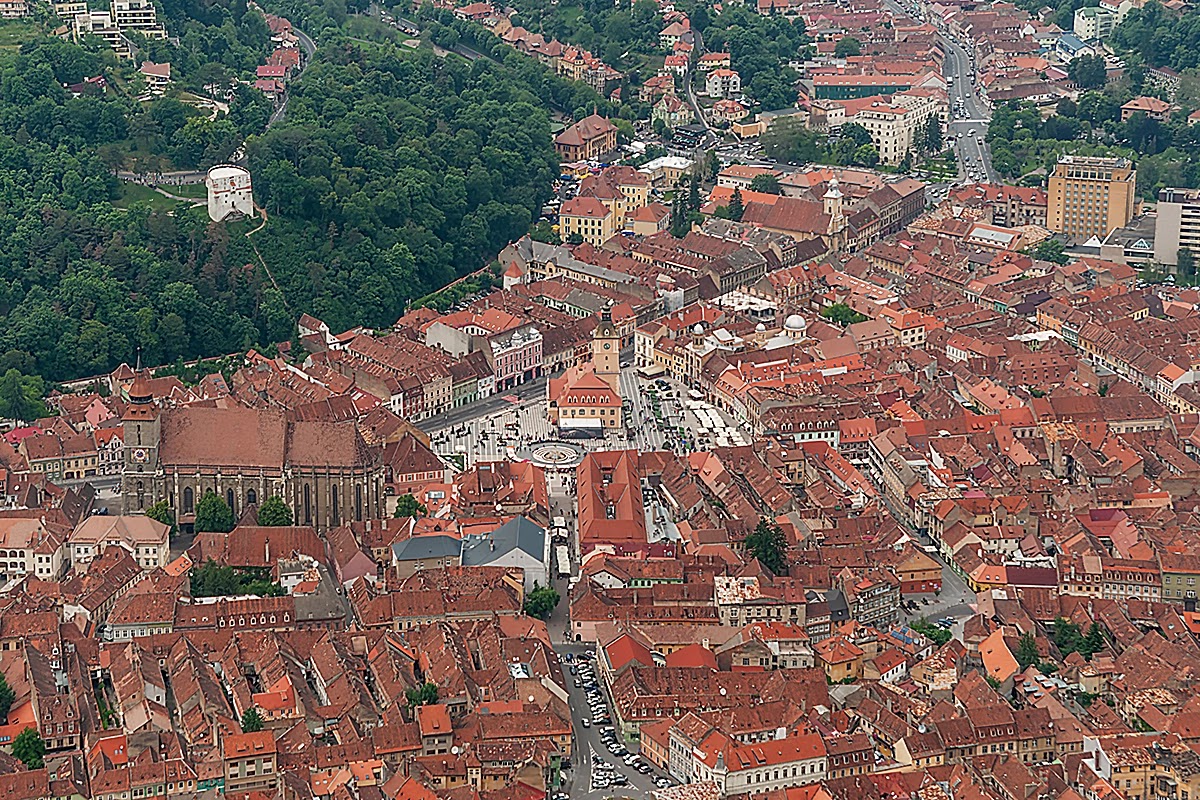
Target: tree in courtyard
(842, 314)
(934, 633)
(541, 601)
(769, 545)
(680, 224)
(932, 141)
(408, 506)
(693, 202)
(736, 207)
(252, 721)
(214, 580)
(213, 514)
(847, 46)
(29, 748)
(1027, 651)
(423, 695)
(274, 513)
(767, 183)
(162, 512)
(1052, 250)
(7, 695)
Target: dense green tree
(680, 224)
(219, 580)
(1087, 71)
(1052, 250)
(213, 514)
(765, 183)
(1027, 651)
(736, 207)
(252, 721)
(409, 506)
(935, 633)
(28, 747)
(842, 314)
(423, 695)
(540, 602)
(932, 141)
(163, 512)
(1185, 263)
(1158, 37)
(1069, 639)
(214, 580)
(7, 696)
(847, 46)
(761, 47)
(769, 545)
(274, 512)
(791, 141)
(21, 397)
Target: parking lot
(603, 765)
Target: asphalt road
(589, 746)
(972, 151)
(698, 45)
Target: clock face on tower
(140, 456)
(607, 345)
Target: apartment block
(1177, 226)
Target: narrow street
(971, 149)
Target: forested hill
(394, 172)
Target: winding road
(310, 48)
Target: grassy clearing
(15, 32)
(135, 194)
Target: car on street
(585, 722)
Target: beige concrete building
(621, 189)
(593, 221)
(1091, 196)
(144, 538)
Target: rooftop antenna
(138, 361)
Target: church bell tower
(140, 431)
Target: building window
(189, 500)
(334, 507)
(308, 504)
(251, 497)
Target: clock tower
(606, 350)
(141, 433)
